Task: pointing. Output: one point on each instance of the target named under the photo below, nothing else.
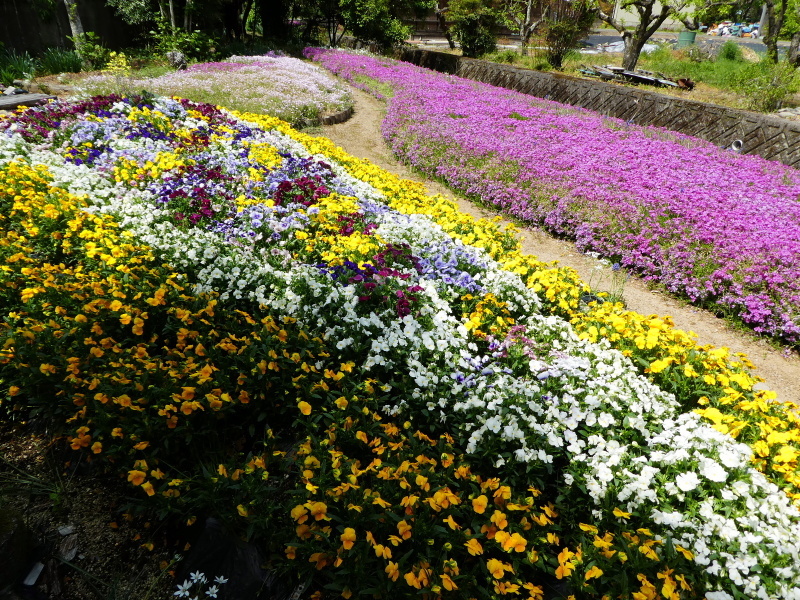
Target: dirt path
(361, 137)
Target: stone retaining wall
(770, 137)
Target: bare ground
(780, 368)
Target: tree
(652, 15)
(525, 16)
(440, 10)
(176, 16)
(793, 54)
(367, 20)
(375, 21)
(274, 18)
(473, 24)
(135, 11)
(775, 12)
(564, 24)
(75, 23)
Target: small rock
(66, 529)
(69, 547)
(177, 60)
(33, 574)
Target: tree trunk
(793, 55)
(75, 23)
(648, 24)
(775, 16)
(248, 6)
(172, 22)
(633, 48)
(187, 16)
(440, 18)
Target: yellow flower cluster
(138, 359)
(322, 238)
(130, 171)
(117, 64)
(489, 317)
(406, 495)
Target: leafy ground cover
(240, 320)
(711, 226)
(729, 75)
(285, 87)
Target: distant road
(606, 36)
(757, 45)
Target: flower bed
(713, 226)
(247, 322)
(281, 86)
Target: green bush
(16, 65)
(59, 60)
(730, 50)
(506, 56)
(767, 85)
(472, 24)
(724, 74)
(91, 50)
(195, 45)
(474, 35)
(565, 25)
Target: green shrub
(195, 45)
(565, 25)
(724, 74)
(730, 50)
(472, 25)
(16, 65)
(59, 60)
(474, 36)
(767, 85)
(506, 56)
(91, 50)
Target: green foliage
(91, 50)
(723, 74)
(195, 45)
(372, 21)
(730, 50)
(133, 11)
(59, 60)
(15, 65)
(472, 24)
(506, 56)
(565, 25)
(767, 85)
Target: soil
(779, 367)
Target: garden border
(339, 117)
(770, 137)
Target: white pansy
(712, 470)
(686, 482)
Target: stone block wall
(770, 137)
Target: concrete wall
(770, 137)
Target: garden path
(780, 369)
